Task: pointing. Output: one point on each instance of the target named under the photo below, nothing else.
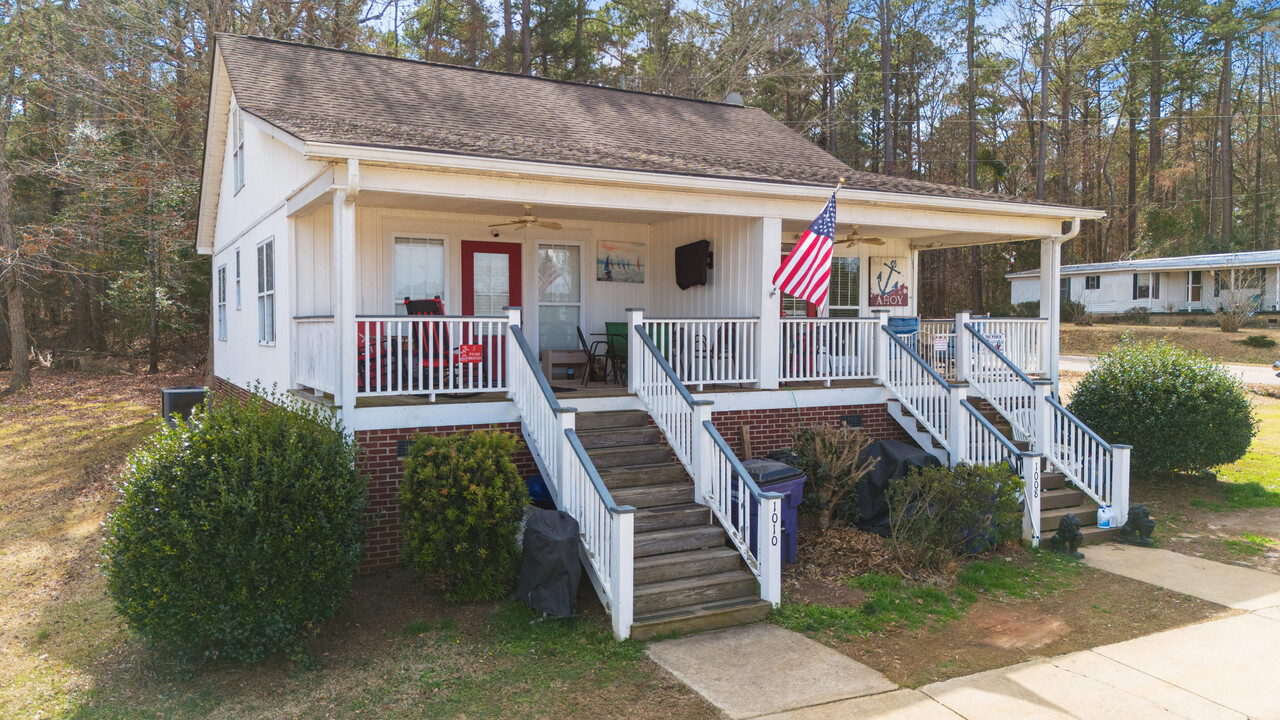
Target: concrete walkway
(1224, 668)
(1250, 374)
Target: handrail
(666, 367)
(978, 334)
(543, 385)
(594, 475)
(1077, 421)
(393, 316)
(700, 319)
(737, 465)
(928, 368)
(1008, 444)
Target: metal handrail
(1097, 438)
(666, 367)
(594, 475)
(928, 368)
(1003, 358)
(523, 344)
(737, 466)
(1008, 444)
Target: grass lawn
(1224, 347)
(394, 650)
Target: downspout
(1055, 315)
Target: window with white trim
(237, 278)
(419, 270)
(267, 292)
(237, 156)
(559, 296)
(1092, 282)
(222, 302)
(842, 298)
(1146, 286)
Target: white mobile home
(1191, 283)
(434, 249)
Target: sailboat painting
(619, 261)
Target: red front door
(490, 277)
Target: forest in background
(1160, 112)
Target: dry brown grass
(1221, 346)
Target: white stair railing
(1090, 463)
(988, 446)
(826, 349)
(997, 379)
(606, 529)
(719, 479)
(707, 351)
(921, 389)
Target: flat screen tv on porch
(692, 262)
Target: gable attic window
(1146, 286)
(222, 302)
(237, 156)
(267, 292)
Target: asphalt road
(1250, 374)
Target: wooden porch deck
(567, 391)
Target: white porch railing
(936, 344)
(315, 356)
(996, 378)
(607, 530)
(826, 349)
(1098, 468)
(430, 355)
(719, 480)
(921, 389)
(706, 351)
(1022, 340)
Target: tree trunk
(10, 269)
(526, 39)
(1257, 155)
(508, 38)
(890, 127)
(972, 95)
(1042, 133)
(1132, 199)
(1154, 128)
(1224, 115)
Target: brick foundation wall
(383, 470)
(771, 429)
(225, 389)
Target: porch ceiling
(921, 238)
(499, 208)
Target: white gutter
(552, 171)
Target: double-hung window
(237, 278)
(1092, 282)
(1146, 286)
(559, 296)
(419, 270)
(222, 301)
(842, 297)
(237, 155)
(267, 292)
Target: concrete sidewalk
(1250, 374)
(1222, 669)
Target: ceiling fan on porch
(853, 238)
(528, 220)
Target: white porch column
(769, 339)
(961, 346)
(344, 288)
(1051, 300)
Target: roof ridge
(499, 73)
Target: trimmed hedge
(1179, 410)
(461, 503)
(239, 534)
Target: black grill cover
(895, 459)
(550, 570)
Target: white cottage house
(432, 249)
(1186, 284)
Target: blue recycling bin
(779, 477)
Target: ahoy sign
(888, 283)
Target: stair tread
(700, 616)
(667, 586)
(678, 532)
(617, 449)
(677, 558)
(640, 468)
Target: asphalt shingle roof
(335, 96)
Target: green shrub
(461, 503)
(1179, 410)
(938, 514)
(239, 534)
(1136, 316)
(1259, 341)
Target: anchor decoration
(890, 287)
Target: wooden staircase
(687, 577)
(1057, 497)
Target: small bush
(1233, 316)
(1259, 341)
(239, 534)
(829, 455)
(1179, 410)
(1136, 316)
(461, 503)
(939, 514)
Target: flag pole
(839, 184)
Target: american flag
(806, 271)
